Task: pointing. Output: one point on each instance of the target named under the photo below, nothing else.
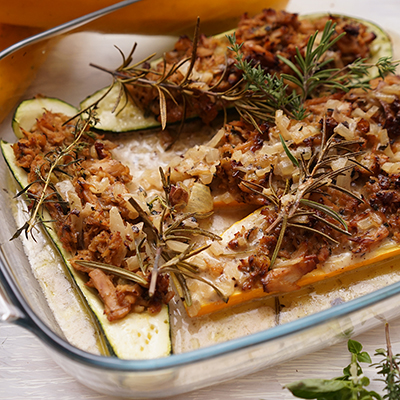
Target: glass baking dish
(64, 72)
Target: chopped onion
(371, 112)
(348, 134)
(284, 168)
(366, 223)
(64, 187)
(338, 163)
(301, 131)
(271, 149)
(282, 122)
(177, 246)
(391, 167)
(98, 186)
(200, 199)
(387, 98)
(262, 172)
(116, 222)
(226, 198)
(216, 138)
(212, 156)
(391, 89)
(132, 263)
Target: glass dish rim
(32, 322)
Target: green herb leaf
(325, 209)
(123, 273)
(364, 357)
(354, 346)
(319, 388)
(292, 158)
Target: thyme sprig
(353, 383)
(389, 370)
(54, 162)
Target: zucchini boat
(142, 103)
(141, 335)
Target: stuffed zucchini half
(200, 80)
(139, 335)
(284, 277)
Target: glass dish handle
(8, 312)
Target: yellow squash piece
(207, 302)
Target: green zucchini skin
(125, 118)
(26, 113)
(137, 336)
(132, 118)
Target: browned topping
(264, 37)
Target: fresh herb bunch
(352, 385)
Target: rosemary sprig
(270, 91)
(258, 95)
(171, 227)
(112, 269)
(310, 73)
(315, 175)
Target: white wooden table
(28, 373)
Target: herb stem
(53, 165)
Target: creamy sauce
(192, 333)
(144, 153)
